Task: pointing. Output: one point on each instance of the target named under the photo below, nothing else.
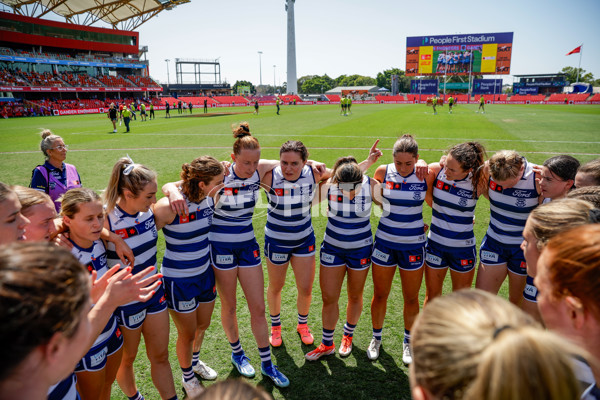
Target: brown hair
(202, 169)
(563, 166)
(244, 139)
(550, 219)
(297, 146)
(506, 164)
(592, 168)
(29, 197)
(470, 155)
(71, 200)
(464, 341)
(587, 193)
(126, 175)
(406, 144)
(47, 142)
(574, 265)
(5, 190)
(43, 290)
(346, 170)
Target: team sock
(377, 333)
(349, 329)
(265, 356)
(328, 337)
(236, 347)
(188, 374)
(275, 320)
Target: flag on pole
(575, 50)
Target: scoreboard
(477, 53)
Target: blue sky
(364, 37)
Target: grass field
(537, 131)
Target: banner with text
(424, 86)
(487, 86)
(478, 53)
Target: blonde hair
(406, 144)
(202, 169)
(505, 164)
(126, 175)
(591, 168)
(244, 139)
(461, 340)
(29, 197)
(71, 200)
(233, 389)
(549, 219)
(47, 142)
(5, 191)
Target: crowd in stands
(67, 57)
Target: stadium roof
(120, 14)
(339, 89)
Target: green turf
(537, 131)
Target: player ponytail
(471, 156)
(244, 139)
(406, 144)
(126, 175)
(202, 169)
(506, 164)
(346, 170)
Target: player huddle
(206, 219)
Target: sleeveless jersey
(349, 221)
(401, 224)
(510, 207)
(54, 187)
(186, 237)
(140, 234)
(94, 258)
(453, 210)
(65, 389)
(232, 220)
(289, 218)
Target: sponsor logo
(464, 193)
(531, 290)
(465, 263)
(416, 186)
(462, 202)
(521, 193)
(327, 257)
(311, 247)
(433, 259)
(489, 255)
(417, 196)
(225, 259)
(99, 357)
(414, 259)
(137, 318)
(256, 254)
(365, 261)
(187, 305)
(380, 255)
(520, 203)
(279, 257)
(523, 265)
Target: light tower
(292, 79)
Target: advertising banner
(526, 90)
(424, 86)
(77, 89)
(487, 86)
(479, 53)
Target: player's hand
(443, 161)
(374, 153)
(124, 251)
(177, 202)
(123, 287)
(538, 172)
(421, 169)
(226, 167)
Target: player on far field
(349, 104)
(481, 105)
(277, 103)
(112, 115)
(143, 111)
(256, 107)
(152, 111)
(343, 105)
(434, 101)
(167, 110)
(450, 104)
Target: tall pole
(292, 79)
(168, 79)
(274, 84)
(260, 66)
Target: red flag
(575, 50)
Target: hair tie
(498, 331)
(127, 170)
(594, 215)
(245, 128)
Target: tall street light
(260, 66)
(274, 85)
(168, 79)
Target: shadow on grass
(332, 377)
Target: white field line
(275, 148)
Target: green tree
(354, 80)
(243, 83)
(384, 79)
(571, 73)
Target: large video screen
(477, 53)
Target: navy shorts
(185, 294)
(95, 359)
(132, 316)
(357, 259)
(227, 257)
(280, 255)
(530, 293)
(460, 259)
(406, 259)
(495, 253)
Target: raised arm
(374, 154)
